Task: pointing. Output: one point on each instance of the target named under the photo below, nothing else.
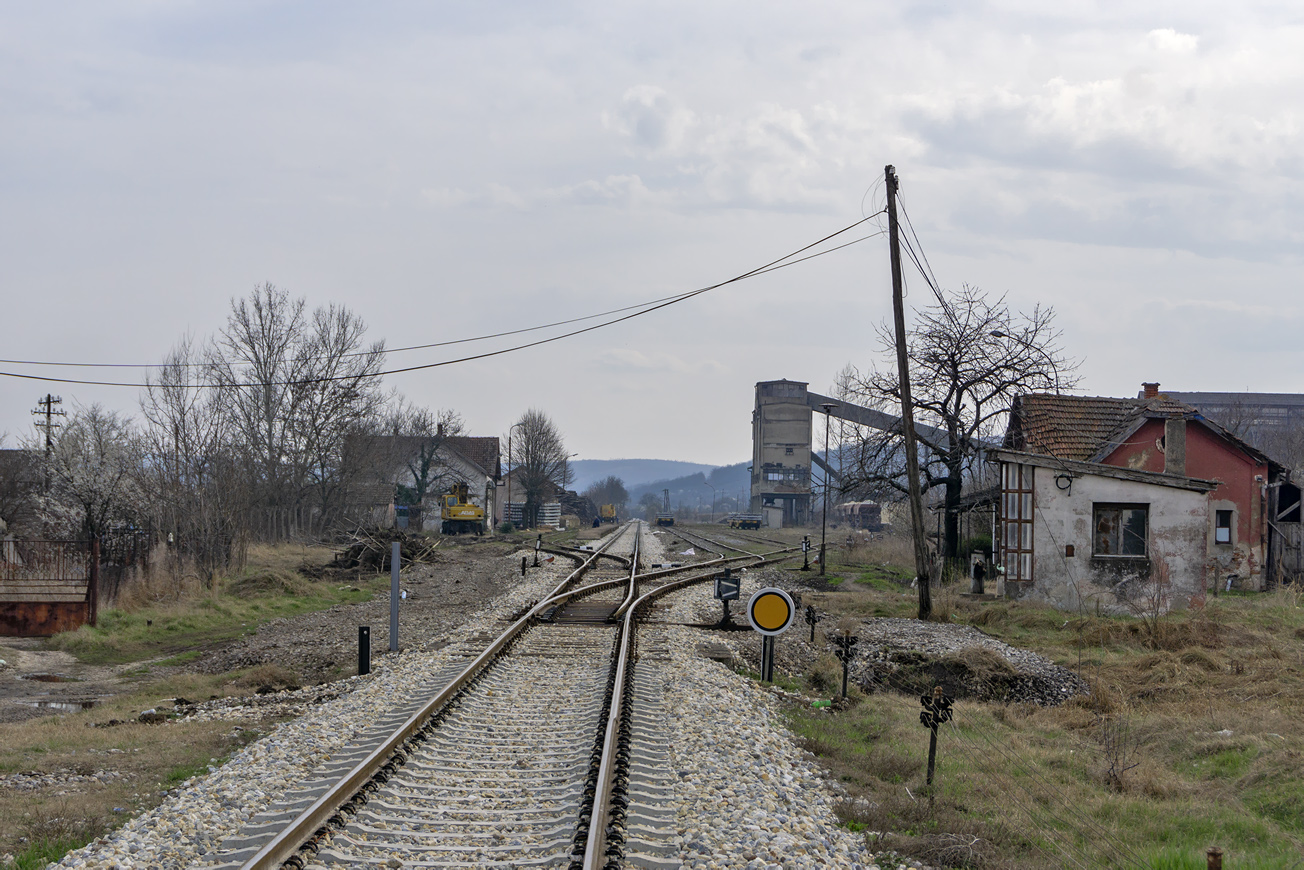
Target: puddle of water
(49, 678)
(61, 706)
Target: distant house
(386, 493)
(1099, 491)
(555, 501)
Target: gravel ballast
(744, 794)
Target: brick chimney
(1175, 445)
(1149, 391)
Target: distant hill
(632, 471)
(689, 483)
(732, 488)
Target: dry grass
(150, 758)
(1189, 738)
(37, 826)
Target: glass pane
(1025, 572)
(1027, 536)
(1012, 535)
(1105, 539)
(1134, 531)
(1026, 507)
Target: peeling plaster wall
(1177, 538)
(1211, 457)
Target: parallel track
(541, 752)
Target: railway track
(544, 750)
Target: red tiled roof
(482, 450)
(1076, 427)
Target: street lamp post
(712, 502)
(508, 506)
(824, 517)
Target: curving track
(546, 750)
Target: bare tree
(295, 390)
(339, 393)
(189, 485)
(421, 437)
(968, 359)
(610, 490)
(540, 461)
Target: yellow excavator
(459, 514)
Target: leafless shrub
(1118, 748)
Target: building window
(1120, 529)
(1016, 512)
(1222, 527)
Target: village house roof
(1077, 427)
(482, 450)
(1090, 428)
(1076, 467)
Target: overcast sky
(450, 170)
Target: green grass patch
(178, 775)
(40, 852)
(184, 658)
(179, 631)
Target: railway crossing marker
(394, 556)
(770, 612)
(726, 590)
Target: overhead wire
(785, 261)
(387, 350)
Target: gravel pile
(320, 646)
(905, 653)
(60, 779)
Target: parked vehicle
(458, 514)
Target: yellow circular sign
(770, 611)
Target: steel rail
(595, 847)
(291, 838)
(575, 552)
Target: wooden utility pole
(907, 411)
(45, 408)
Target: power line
(790, 259)
(359, 353)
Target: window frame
(1017, 507)
(1219, 528)
(1097, 508)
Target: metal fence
(45, 560)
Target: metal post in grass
(811, 618)
(364, 649)
(1213, 858)
(393, 596)
(844, 648)
(937, 709)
